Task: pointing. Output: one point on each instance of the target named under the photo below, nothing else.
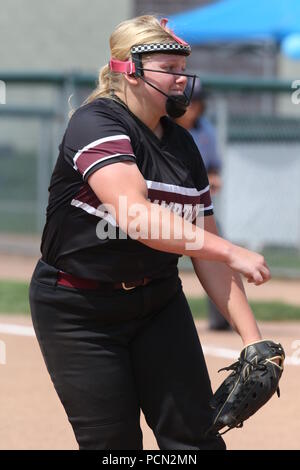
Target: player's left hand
(252, 382)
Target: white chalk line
(17, 330)
(209, 350)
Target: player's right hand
(250, 264)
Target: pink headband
(128, 66)
(121, 66)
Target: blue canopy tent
(238, 24)
(238, 20)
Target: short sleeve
(96, 138)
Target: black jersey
(101, 133)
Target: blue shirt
(204, 135)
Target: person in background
(204, 135)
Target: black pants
(110, 355)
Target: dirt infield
(32, 417)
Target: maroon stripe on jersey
(105, 149)
(205, 199)
(168, 197)
(88, 196)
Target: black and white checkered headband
(169, 48)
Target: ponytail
(103, 86)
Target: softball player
(108, 309)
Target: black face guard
(176, 105)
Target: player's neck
(143, 113)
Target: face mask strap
(153, 86)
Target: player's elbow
(135, 219)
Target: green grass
(18, 185)
(282, 257)
(265, 311)
(17, 223)
(18, 177)
(14, 299)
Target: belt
(68, 280)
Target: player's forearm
(163, 230)
(225, 288)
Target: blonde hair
(140, 30)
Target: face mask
(176, 105)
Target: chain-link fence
(258, 128)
